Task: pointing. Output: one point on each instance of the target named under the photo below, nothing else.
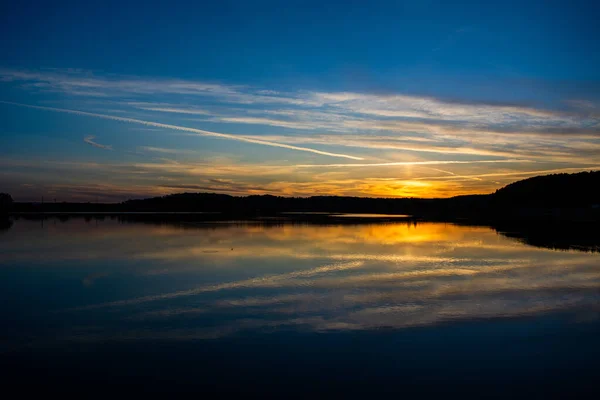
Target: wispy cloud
(145, 129)
(266, 121)
(143, 179)
(489, 144)
(81, 83)
(176, 110)
(348, 112)
(187, 129)
(318, 103)
(513, 173)
(394, 137)
(408, 163)
(165, 150)
(90, 140)
(219, 186)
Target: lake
(92, 304)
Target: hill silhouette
(559, 196)
(558, 190)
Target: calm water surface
(379, 309)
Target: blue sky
(114, 100)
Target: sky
(111, 100)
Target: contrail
(400, 163)
(184, 128)
(90, 140)
(441, 170)
(501, 174)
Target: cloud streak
(383, 142)
(145, 179)
(311, 109)
(176, 110)
(90, 140)
(187, 129)
(409, 163)
(513, 173)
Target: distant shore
(432, 213)
(558, 198)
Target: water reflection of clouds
(322, 277)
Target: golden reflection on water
(392, 275)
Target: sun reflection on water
(345, 277)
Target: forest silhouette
(558, 196)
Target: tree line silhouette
(558, 195)
(6, 203)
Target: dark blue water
(295, 311)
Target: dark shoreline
(541, 200)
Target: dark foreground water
(294, 311)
